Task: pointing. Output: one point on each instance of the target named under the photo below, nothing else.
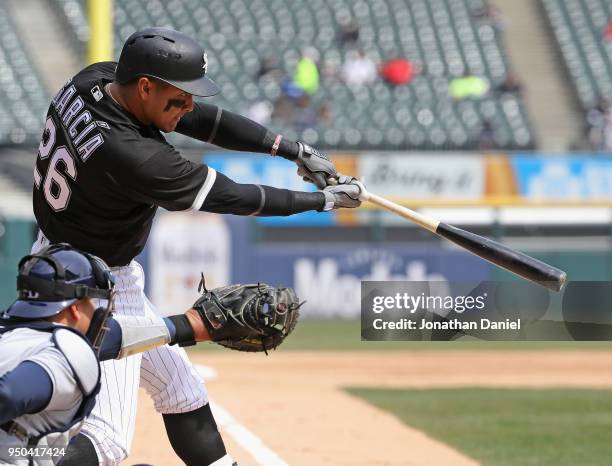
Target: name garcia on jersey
(79, 127)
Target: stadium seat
(23, 98)
(442, 35)
(578, 27)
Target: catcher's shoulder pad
(80, 356)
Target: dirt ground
(289, 408)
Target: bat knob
(562, 281)
(364, 195)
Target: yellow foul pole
(100, 13)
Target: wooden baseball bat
(510, 259)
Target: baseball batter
(104, 167)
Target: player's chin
(169, 127)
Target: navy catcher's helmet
(168, 55)
(57, 277)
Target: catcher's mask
(58, 276)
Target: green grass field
(498, 427)
(345, 335)
(504, 427)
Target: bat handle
(402, 211)
(420, 219)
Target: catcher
(53, 337)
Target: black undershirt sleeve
(229, 197)
(229, 130)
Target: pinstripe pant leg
(170, 378)
(111, 424)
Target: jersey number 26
(55, 185)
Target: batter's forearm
(235, 132)
(282, 202)
(228, 197)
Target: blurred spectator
(325, 114)
(329, 69)
(399, 71)
(284, 105)
(283, 109)
(294, 108)
(358, 69)
(599, 120)
(607, 35)
(304, 116)
(269, 68)
(349, 33)
(468, 86)
(261, 112)
(486, 137)
(492, 16)
(606, 133)
(306, 75)
(511, 85)
(291, 90)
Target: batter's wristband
(184, 332)
(276, 145)
(286, 149)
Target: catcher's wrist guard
(248, 317)
(183, 332)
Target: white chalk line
(242, 436)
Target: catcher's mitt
(248, 317)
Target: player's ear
(73, 311)
(68, 316)
(144, 87)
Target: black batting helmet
(168, 55)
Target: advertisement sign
(424, 176)
(181, 246)
(564, 177)
(328, 277)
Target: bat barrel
(508, 258)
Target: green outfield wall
(16, 237)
